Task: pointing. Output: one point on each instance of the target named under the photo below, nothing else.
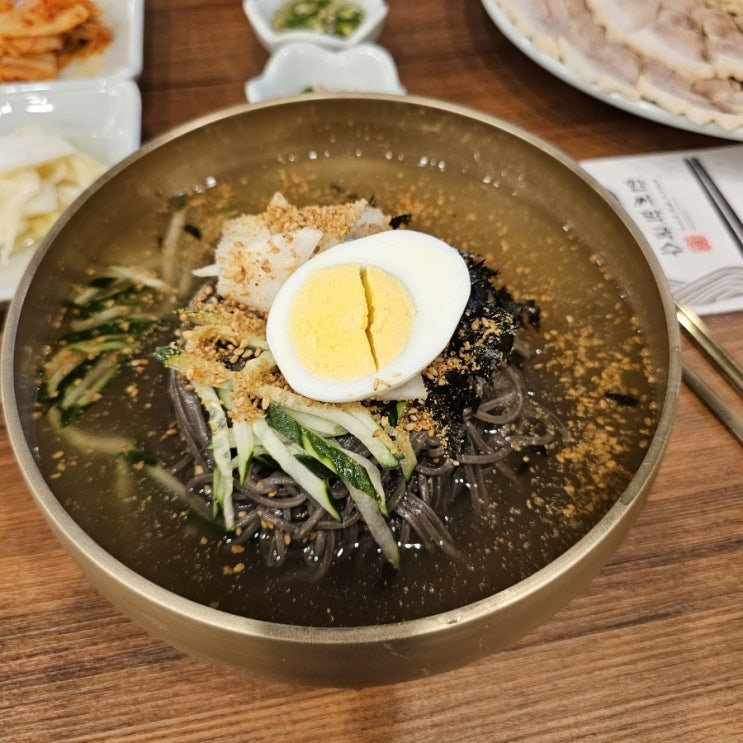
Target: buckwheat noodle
(285, 522)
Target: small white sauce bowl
(301, 67)
(260, 13)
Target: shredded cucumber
(285, 458)
(222, 483)
(83, 441)
(86, 390)
(361, 425)
(375, 476)
(103, 343)
(408, 460)
(107, 326)
(378, 527)
(325, 451)
(317, 423)
(137, 275)
(60, 367)
(244, 439)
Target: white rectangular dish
(101, 118)
(123, 57)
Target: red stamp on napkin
(697, 243)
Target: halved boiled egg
(363, 318)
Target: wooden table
(652, 651)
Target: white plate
(295, 68)
(123, 56)
(101, 118)
(644, 109)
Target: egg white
(437, 280)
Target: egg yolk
(347, 321)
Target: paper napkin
(689, 206)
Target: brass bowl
(465, 162)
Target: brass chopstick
(725, 414)
(696, 329)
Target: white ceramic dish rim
(260, 12)
(367, 68)
(100, 117)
